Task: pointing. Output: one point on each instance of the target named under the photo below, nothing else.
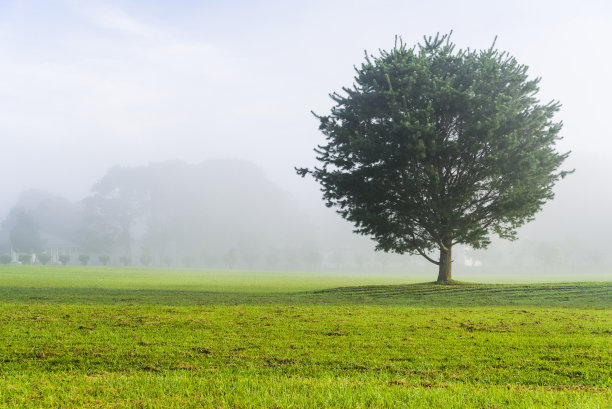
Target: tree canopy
(188, 211)
(434, 146)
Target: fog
(171, 130)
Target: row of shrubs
(44, 258)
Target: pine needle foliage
(434, 146)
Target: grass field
(96, 337)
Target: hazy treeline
(228, 214)
(220, 213)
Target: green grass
(186, 279)
(92, 337)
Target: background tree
(25, 258)
(5, 258)
(84, 259)
(23, 231)
(64, 259)
(434, 146)
(104, 259)
(44, 258)
(42, 220)
(178, 208)
(113, 211)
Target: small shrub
(44, 258)
(25, 258)
(84, 259)
(126, 260)
(64, 259)
(104, 259)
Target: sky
(86, 85)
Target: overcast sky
(85, 85)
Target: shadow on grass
(449, 282)
(433, 294)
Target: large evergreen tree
(434, 146)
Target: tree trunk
(444, 272)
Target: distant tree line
(217, 214)
(222, 215)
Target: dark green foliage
(44, 258)
(64, 259)
(5, 258)
(433, 147)
(104, 259)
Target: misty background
(167, 133)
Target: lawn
(93, 337)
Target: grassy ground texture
(73, 339)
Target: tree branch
(422, 253)
(431, 260)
